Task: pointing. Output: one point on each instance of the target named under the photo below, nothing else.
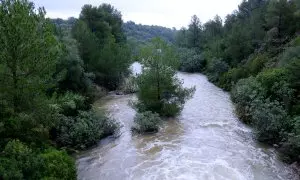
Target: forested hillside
(255, 54)
(143, 33)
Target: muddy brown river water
(206, 142)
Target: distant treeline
(144, 33)
(134, 32)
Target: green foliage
(244, 93)
(191, 61)
(84, 130)
(70, 73)
(293, 70)
(256, 64)
(69, 104)
(160, 91)
(269, 119)
(102, 44)
(113, 65)
(228, 79)
(104, 21)
(146, 122)
(215, 69)
(28, 59)
(144, 33)
(289, 55)
(194, 33)
(292, 146)
(18, 161)
(58, 165)
(275, 83)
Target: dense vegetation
(49, 78)
(255, 54)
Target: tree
(29, 52)
(194, 33)
(103, 21)
(280, 21)
(102, 44)
(159, 90)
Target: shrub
(276, 85)
(229, 78)
(256, 63)
(269, 77)
(270, 120)
(58, 165)
(85, 130)
(191, 61)
(244, 93)
(70, 103)
(18, 161)
(216, 68)
(146, 122)
(292, 146)
(289, 55)
(293, 70)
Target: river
(206, 142)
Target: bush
(245, 92)
(289, 55)
(18, 161)
(293, 70)
(276, 85)
(215, 69)
(229, 78)
(292, 146)
(269, 77)
(146, 122)
(71, 103)
(256, 64)
(85, 130)
(58, 165)
(191, 61)
(270, 120)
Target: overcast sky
(168, 13)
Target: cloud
(169, 13)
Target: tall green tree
(159, 89)
(102, 44)
(103, 21)
(194, 32)
(28, 54)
